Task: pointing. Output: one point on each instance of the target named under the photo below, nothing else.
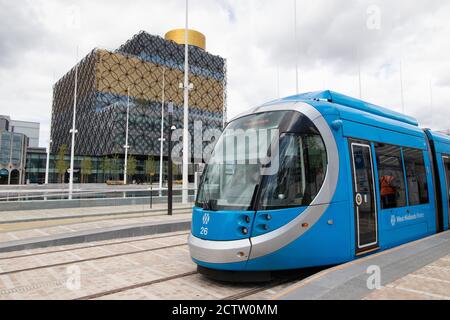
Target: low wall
(83, 203)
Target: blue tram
(349, 178)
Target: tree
(115, 166)
(175, 169)
(150, 167)
(131, 166)
(86, 168)
(106, 168)
(61, 163)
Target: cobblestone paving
(17, 215)
(429, 282)
(195, 287)
(111, 265)
(101, 274)
(79, 226)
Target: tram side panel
(441, 152)
(404, 223)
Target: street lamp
(186, 113)
(126, 146)
(169, 160)
(296, 47)
(47, 165)
(73, 131)
(161, 149)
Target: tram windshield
(257, 164)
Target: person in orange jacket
(387, 191)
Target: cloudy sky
(334, 39)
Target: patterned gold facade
(106, 78)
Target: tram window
(302, 168)
(390, 176)
(415, 176)
(446, 159)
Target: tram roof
(340, 99)
(441, 140)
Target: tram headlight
(244, 230)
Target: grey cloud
(333, 32)
(256, 36)
(20, 31)
(443, 81)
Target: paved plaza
(416, 270)
(155, 264)
(430, 282)
(43, 218)
(156, 267)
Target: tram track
(242, 294)
(135, 286)
(280, 280)
(91, 259)
(91, 246)
(237, 296)
(250, 292)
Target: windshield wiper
(254, 195)
(208, 203)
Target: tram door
(446, 160)
(366, 227)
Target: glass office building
(13, 147)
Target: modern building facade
(138, 73)
(30, 129)
(13, 151)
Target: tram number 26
(204, 231)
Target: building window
(390, 176)
(17, 150)
(5, 148)
(416, 176)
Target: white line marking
(438, 296)
(429, 278)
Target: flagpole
(126, 146)
(186, 113)
(161, 147)
(296, 48)
(73, 131)
(401, 87)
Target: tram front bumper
(220, 252)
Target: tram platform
(418, 270)
(45, 228)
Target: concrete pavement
(416, 270)
(28, 229)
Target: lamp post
(401, 88)
(169, 160)
(186, 113)
(358, 57)
(47, 164)
(296, 48)
(73, 131)
(431, 102)
(161, 148)
(126, 146)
